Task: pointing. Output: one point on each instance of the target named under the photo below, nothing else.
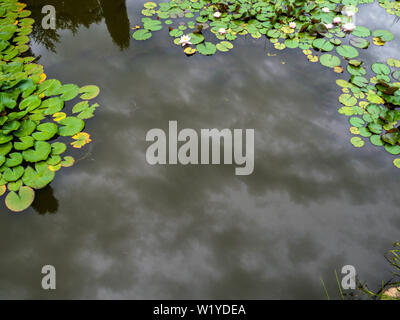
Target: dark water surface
(116, 227)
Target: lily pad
(39, 177)
(89, 92)
(70, 126)
(18, 202)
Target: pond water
(116, 227)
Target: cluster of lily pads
(391, 6)
(324, 29)
(32, 117)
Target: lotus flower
(337, 20)
(292, 25)
(185, 40)
(326, 10)
(349, 13)
(222, 31)
(217, 14)
(349, 27)
(328, 25)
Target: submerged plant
(322, 26)
(31, 113)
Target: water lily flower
(222, 31)
(337, 20)
(329, 25)
(292, 25)
(185, 40)
(349, 26)
(217, 14)
(350, 13)
(326, 10)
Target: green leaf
(25, 143)
(13, 174)
(142, 34)
(362, 32)
(359, 43)
(46, 131)
(89, 92)
(21, 201)
(384, 35)
(224, 46)
(39, 177)
(347, 51)
(322, 44)
(347, 100)
(329, 60)
(70, 126)
(206, 48)
(357, 142)
(26, 128)
(381, 68)
(15, 159)
(40, 153)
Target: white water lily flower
(292, 25)
(217, 14)
(222, 31)
(185, 40)
(326, 10)
(350, 13)
(349, 27)
(337, 20)
(329, 25)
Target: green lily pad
(347, 52)
(357, 142)
(70, 126)
(384, 35)
(46, 131)
(206, 48)
(224, 46)
(329, 60)
(392, 149)
(13, 174)
(58, 148)
(359, 43)
(21, 201)
(361, 32)
(15, 159)
(39, 177)
(142, 34)
(26, 128)
(89, 92)
(40, 153)
(25, 143)
(323, 45)
(381, 68)
(347, 100)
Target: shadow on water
(45, 201)
(72, 14)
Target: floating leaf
(357, 142)
(70, 126)
(206, 48)
(39, 177)
(329, 60)
(347, 51)
(39, 153)
(82, 139)
(21, 201)
(142, 34)
(89, 92)
(383, 35)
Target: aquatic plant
(32, 117)
(323, 29)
